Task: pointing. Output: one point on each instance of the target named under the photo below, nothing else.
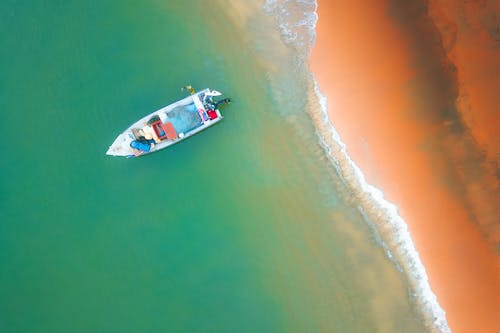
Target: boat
(170, 124)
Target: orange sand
(472, 39)
(387, 104)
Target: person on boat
(149, 133)
(142, 145)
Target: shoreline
(374, 107)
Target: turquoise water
(243, 228)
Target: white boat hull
(183, 117)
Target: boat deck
(166, 126)
(184, 118)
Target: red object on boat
(212, 114)
(170, 132)
(164, 130)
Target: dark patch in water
(461, 163)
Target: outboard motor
(222, 102)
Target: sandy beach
(416, 109)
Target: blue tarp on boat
(142, 145)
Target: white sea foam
(297, 22)
(388, 223)
(295, 19)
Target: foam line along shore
(392, 95)
(297, 22)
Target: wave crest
(297, 25)
(296, 21)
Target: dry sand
(419, 119)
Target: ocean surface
(247, 227)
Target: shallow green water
(243, 228)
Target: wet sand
(417, 113)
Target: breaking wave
(297, 20)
